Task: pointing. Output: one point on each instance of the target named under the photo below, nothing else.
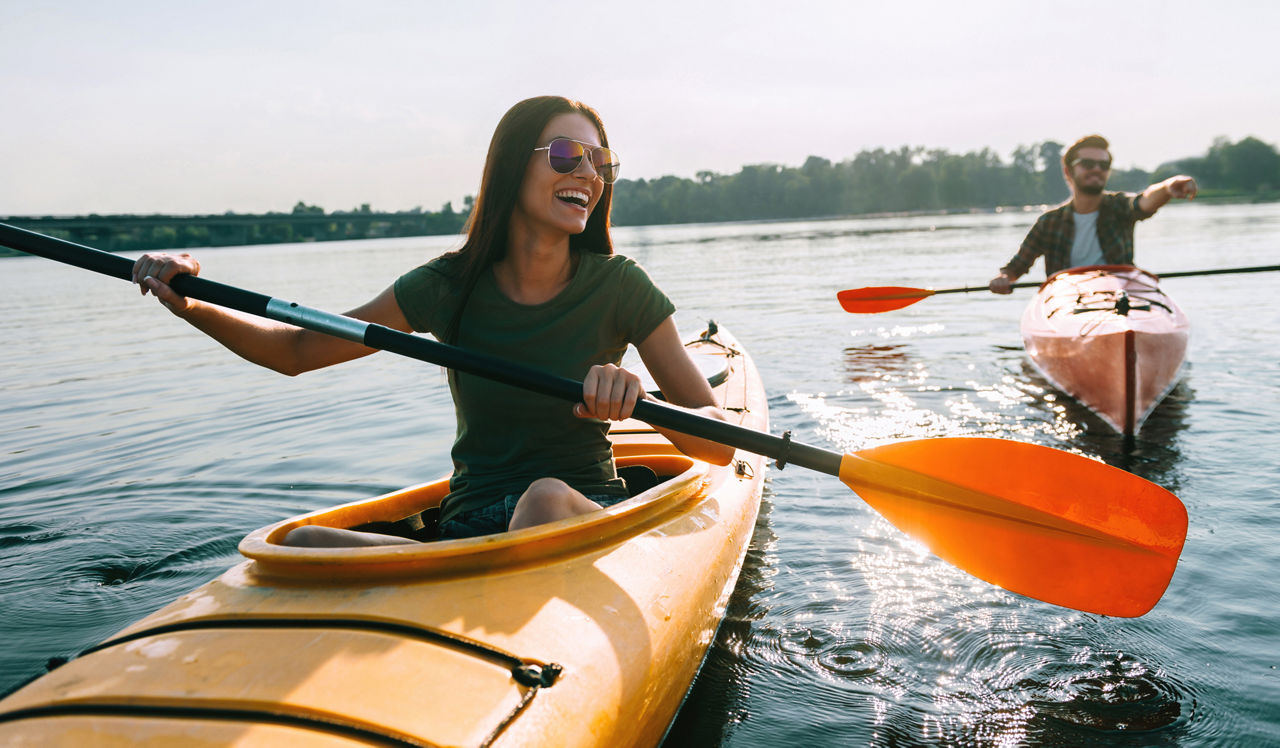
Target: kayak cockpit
(681, 481)
(582, 632)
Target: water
(136, 454)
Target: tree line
(908, 179)
(918, 179)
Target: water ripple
(135, 454)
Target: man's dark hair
(1088, 141)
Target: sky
(192, 107)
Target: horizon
(461, 208)
(156, 109)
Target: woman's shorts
(496, 517)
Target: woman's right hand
(609, 393)
(153, 272)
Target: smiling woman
(536, 281)
(432, 643)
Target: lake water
(136, 454)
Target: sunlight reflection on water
(137, 454)
(867, 622)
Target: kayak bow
(1110, 337)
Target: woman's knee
(547, 500)
(547, 490)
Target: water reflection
(715, 702)
(928, 654)
(842, 630)
(1154, 453)
(864, 621)
(875, 363)
(1104, 696)
(807, 233)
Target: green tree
(1052, 187)
(302, 209)
(1249, 165)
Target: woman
(535, 281)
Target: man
(1094, 227)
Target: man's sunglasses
(1089, 163)
(565, 156)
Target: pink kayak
(1109, 337)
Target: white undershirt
(1085, 249)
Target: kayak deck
(1110, 337)
(587, 631)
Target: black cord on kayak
(781, 459)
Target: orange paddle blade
(875, 299)
(1044, 523)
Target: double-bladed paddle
(1041, 522)
(876, 299)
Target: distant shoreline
(122, 233)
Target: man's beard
(1090, 189)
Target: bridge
(124, 232)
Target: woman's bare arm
(284, 348)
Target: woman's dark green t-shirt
(508, 437)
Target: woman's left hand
(609, 393)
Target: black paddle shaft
(1219, 271)
(1162, 276)
(385, 338)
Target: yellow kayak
(583, 632)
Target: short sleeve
(642, 306)
(423, 295)
(1136, 213)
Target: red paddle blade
(876, 299)
(1044, 523)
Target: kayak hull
(1108, 336)
(584, 632)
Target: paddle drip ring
(781, 459)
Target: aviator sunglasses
(565, 156)
(1089, 163)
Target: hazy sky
(201, 107)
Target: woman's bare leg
(316, 536)
(547, 500)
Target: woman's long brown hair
(489, 223)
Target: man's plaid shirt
(1054, 232)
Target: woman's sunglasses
(565, 156)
